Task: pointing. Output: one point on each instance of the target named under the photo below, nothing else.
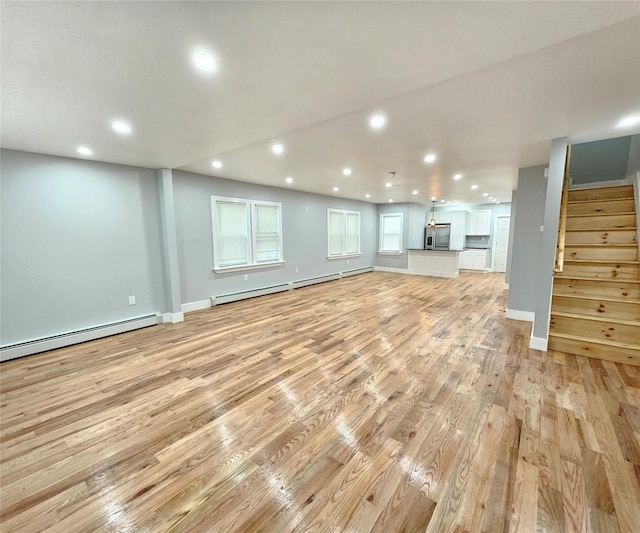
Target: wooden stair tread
(603, 261)
(601, 245)
(587, 278)
(580, 338)
(596, 318)
(597, 299)
(602, 200)
(596, 215)
(599, 230)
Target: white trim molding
(538, 343)
(390, 269)
(172, 318)
(514, 314)
(196, 306)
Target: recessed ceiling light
(457, 176)
(414, 192)
(84, 150)
(203, 60)
(497, 202)
(429, 158)
(390, 201)
(491, 198)
(442, 201)
(121, 126)
(216, 164)
(346, 171)
(485, 194)
(277, 148)
(474, 187)
(433, 198)
(629, 122)
(377, 121)
(336, 189)
(289, 180)
(388, 184)
(367, 195)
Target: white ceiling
(485, 85)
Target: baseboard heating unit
(252, 293)
(75, 337)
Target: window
(246, 233)
(343, 233)
(390, 233)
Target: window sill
(346, 256)
(239, 268)
(389, 253)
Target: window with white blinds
(343, 233)
(390, 233)
(246, 233)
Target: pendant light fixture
(432, 222)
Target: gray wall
(78, 238)
(633, 164)
(527, 218)
(597, 161)
(395, 261)
(304, 229)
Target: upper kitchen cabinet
(479, 222)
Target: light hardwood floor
(379, 402)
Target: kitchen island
(436, 263)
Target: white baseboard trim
(75, 337)
(390, 269)
(172, 318)
(514, 314)
(538, 343)
(506, 286)
(195, 306)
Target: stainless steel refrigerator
(437, 237)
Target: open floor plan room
(377, 402)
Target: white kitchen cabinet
(479, 222)
(466, 260)
(473, 260)
(456, 242)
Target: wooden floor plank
(377, 402)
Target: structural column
(172, 311)
(546, 261)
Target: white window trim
(253, 265)
(350, 254)
(381, 236)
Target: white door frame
(494, 244)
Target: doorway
(501, 245)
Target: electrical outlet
(348, 261)
(297, 270)
(132, 300)
(246, 277)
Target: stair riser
(596, 330)
(596, 308)
(602, 289)
(603, 193)
(594, 208)
(628, 236)
(629, 356)
(600, 222)
(608, 271)
(601, 254)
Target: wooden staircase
(595, 309)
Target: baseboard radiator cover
(251, 293)
(52, 342)
(281, 287)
